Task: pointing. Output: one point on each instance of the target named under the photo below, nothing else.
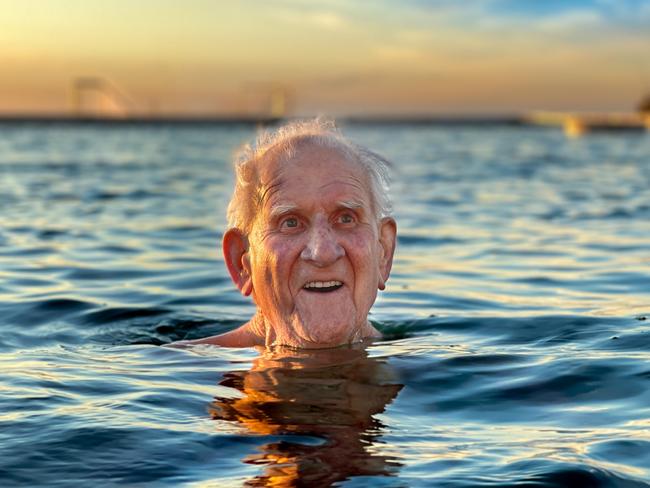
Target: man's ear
(387, 239)
(235, 253)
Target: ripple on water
(552, 475)
(424, 240)
(36, 312)
(118, 314)
(622, 453)
(99, 274)
(27, 252)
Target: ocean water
(516, 320)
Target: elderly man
(310, 238)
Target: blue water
(517, 319)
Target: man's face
(316, 255)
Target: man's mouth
(323, 286)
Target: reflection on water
(330, 394)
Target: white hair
(283, 143)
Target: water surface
(517, 318)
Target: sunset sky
(337, 57)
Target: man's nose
(322, 248)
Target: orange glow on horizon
(217, 57)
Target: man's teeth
(322, 284)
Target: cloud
(568, 22)
(324, 19)
(328, 20)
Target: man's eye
(290, 223)
(346, 218)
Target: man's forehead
(331, 169)
(303, 157)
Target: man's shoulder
(242, 336)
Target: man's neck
(285, 335)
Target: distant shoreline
(573, 124)
(259, 120)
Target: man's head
(311, 237)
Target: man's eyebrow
(282, 209)
(350, 204)
(286, 208)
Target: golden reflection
(328, 394)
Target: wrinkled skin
(315, 257)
